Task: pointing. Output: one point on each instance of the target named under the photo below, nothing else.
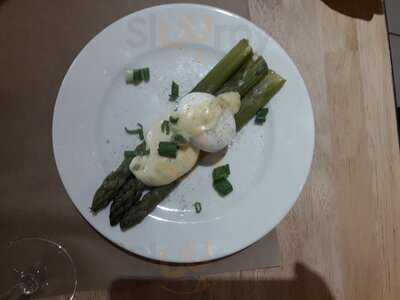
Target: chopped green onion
(260, 120)
(130, 131)
(129, 76)
(136, 76)
(262, 112)
(168, 149)
(220, 181)
(221, 172)
(261, 116)
(138, 131)
(173, 120)
(223, 187)
(165, 127)
(146, 74)
(197, 207)
(180, 139)
(141, 134)
(174, 91)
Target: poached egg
(208, 121)
(205, 121)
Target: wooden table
(341, 240)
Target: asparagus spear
(234, 60)
(213, 81)
(252, 102)
(111, 185)
(258, 97)
(248, 75)
(250, 72)
(139, 211)
(129, 194)
(225, 68)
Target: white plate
(181, 42)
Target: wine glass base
(37, 267)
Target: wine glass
(36, 267)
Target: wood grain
(341, 240)
(345, 224)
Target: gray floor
(393, 21)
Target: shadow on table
(2, 2)
(361, 9)
(305, 285)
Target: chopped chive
(221, 172)
(197, 207)
(174, 91)
(260, 120)
(167, 149)
(131, 131)
(136, 76)
(129, 76)
(141, 134)
(223, 187)
(173, 120)
(138, 131)
(220, 181)
(141, 74)
(165, 127)
(262, 112)
(146, 74)
(261, 116)
(180, 139)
